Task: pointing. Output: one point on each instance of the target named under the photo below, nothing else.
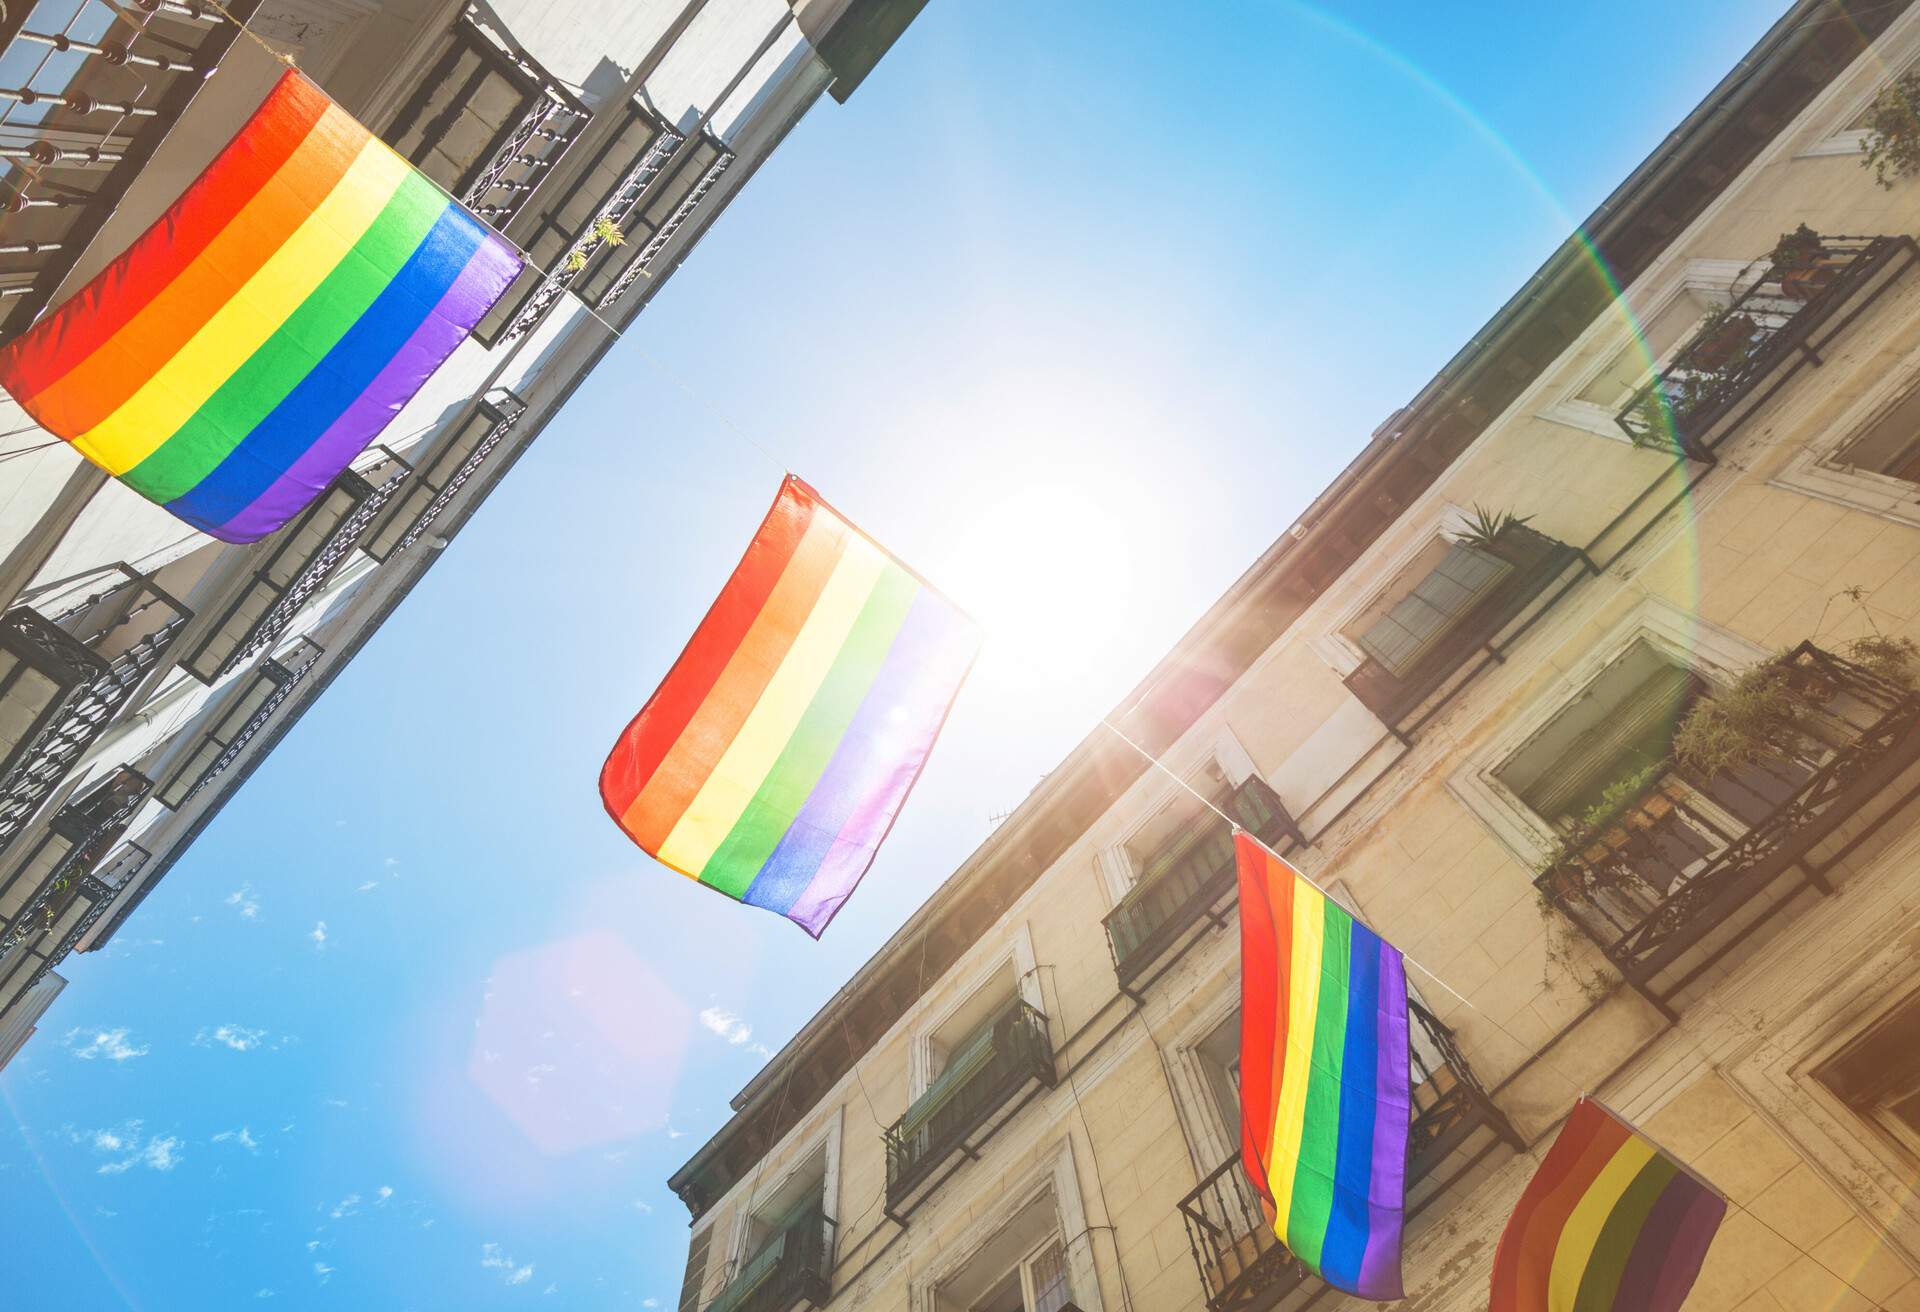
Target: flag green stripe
(1320, 1137)
(1620, 1232)
(801, 762)
(260, 384)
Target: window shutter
(1638, 732)
(1464, 577)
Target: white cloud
(726, 1024)
(383, 1193)
(111, 1044)
(242, 1138)
(237, 1037)
(643, 1207)
(390, 862)
(649, 1302)
(492, 1259)
(243, 901)
(322, 1270)
(160, 1153)
(264, 1293)
(368, 887)
(319, 934)
(346, 1207)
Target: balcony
(68, 660)
(1787, 315)
(986, 1082)
(37, 892)
(252, 707)
(1694, 866)
(1405, 700)
(295, 563)
(1454, 1131)
(1191, 881)
(792, 1267)
(527, 147)
(92, 89)
(438, 481)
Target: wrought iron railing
(610, 217)
(1454, 1128)
(288, 678)
(1692, 867)
(1746, 352)
(524, 159)
(320, 566)
(644, 261)
(1408, 700)
(944, 1120)
(127, 624)
(80, 836)
(511, 409)
(792, 1266)
(1188, 881)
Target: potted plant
(1485, 528)
(1892, 144)
(1725, 340)
(1801, 263)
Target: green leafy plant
(576, 259)
(606, 230)
(1483, 526)
(1765, 715)
(1891, 659)
(1796, 250)
(1892, 145)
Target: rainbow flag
(263, 331)
(1609, 1223)
(773, 759)
(1324, 1070)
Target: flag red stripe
(1525, 1255)
(653, 732)
(1260, 1002)
(35, 361)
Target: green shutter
(1464, 577)
(1638, 732)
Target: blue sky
(1074, 306)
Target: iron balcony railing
(1695, 866)
(1190, 880)
(1784, 314)
(643, 263)
(77, 840)
(506, 411)
(1454, 1129)
(976, 1094)
(62, 679)
(1406, 701)
(286, 677)
(791, 1267)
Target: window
(288, 553)
(466, 107)
(1659, 334)
(1877, 1076)
(32, 687)
(560, 220)
(1890, 445)
(1457, 579)
(1023, 1268)
(1179, 827)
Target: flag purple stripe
(1684, 1253)
(865, 784)
(1380, 1267)
(482, 282)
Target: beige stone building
(1026, 1101)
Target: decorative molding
(1110, 859)
(826, 1139)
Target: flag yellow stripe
(744, 766)
(1582, 1230)
(180, 387)
(1296, 1071)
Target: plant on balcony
(1801, 264)
(1799, 249)
(1484, 527)
(1892, 145)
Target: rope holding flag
(1324, 1076)
(234, 359)
(774, 757)
(1609, 1223)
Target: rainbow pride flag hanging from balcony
(268, 326)
(1608, 1222)
(771, 762)
(1324, 1070)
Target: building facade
(146, 669)
(1489, 690)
